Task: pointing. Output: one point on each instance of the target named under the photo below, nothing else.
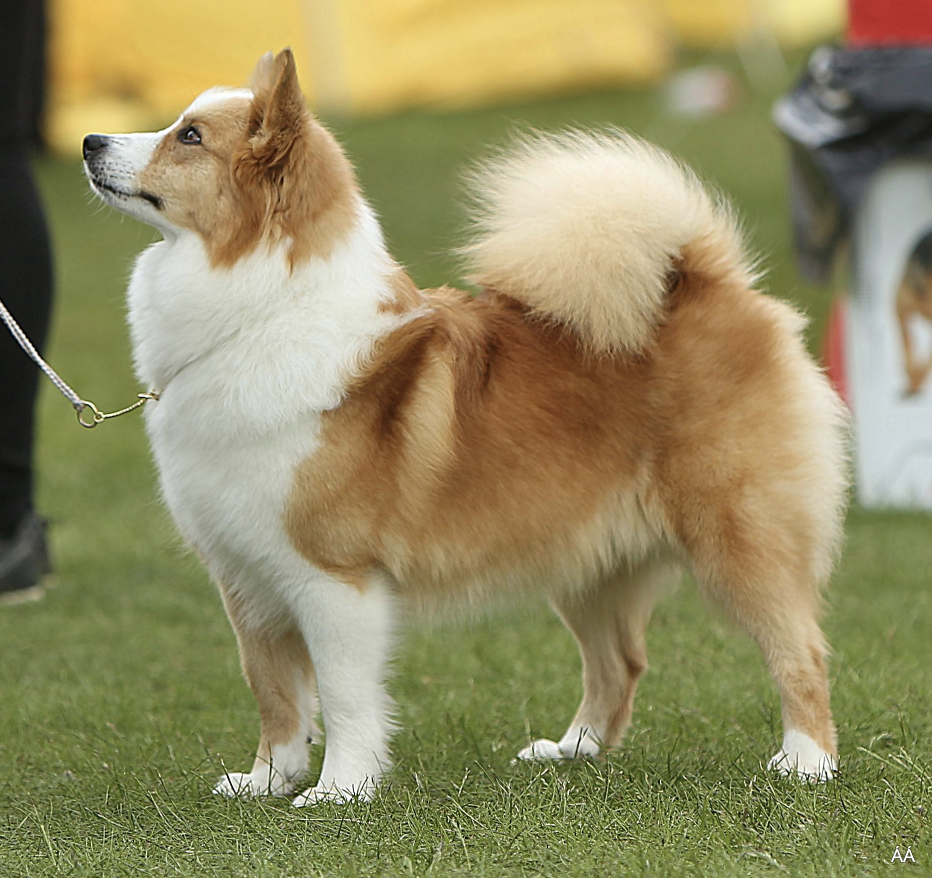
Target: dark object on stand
(854, 111)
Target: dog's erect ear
(279, 111)
(261, 79)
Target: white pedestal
(893, 431)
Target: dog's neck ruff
(260, 334)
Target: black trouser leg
(25, 257)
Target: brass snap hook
(98, 415)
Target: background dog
(914, 300)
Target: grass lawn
(121, 699)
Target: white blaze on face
(211, 98)
(114, 170)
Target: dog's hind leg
(770, 588)
(608, 621)
(278, 669)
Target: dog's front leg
(349, 627)
(278, 669)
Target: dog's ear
(279, 112)
(261, 80)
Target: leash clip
(97, 416)
(76, 402)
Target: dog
(914, 300)
(344, 450)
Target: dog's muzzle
(93, 145)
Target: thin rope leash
(77, 403)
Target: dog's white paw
(575, 744)
(335, 795)
(801, 756)
(540, 750)
(243, 785)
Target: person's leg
(26, 289)
(25, 286)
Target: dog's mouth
(154, 200)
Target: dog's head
(239, 168)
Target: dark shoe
(24, 562)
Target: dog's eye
(189, 135)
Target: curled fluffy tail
(587, 228)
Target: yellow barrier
(720, 23)
(121, 65)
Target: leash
(77, 403)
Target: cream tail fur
(586, 228)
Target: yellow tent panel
(119, 65)
(801, 22)
(435, 53)
(711, 23)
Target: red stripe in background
(889, 23)
(833, 347)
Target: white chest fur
(227, 493)
(247, 359)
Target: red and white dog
(342, 448)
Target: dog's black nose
(93, 142)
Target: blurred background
(117, 65)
